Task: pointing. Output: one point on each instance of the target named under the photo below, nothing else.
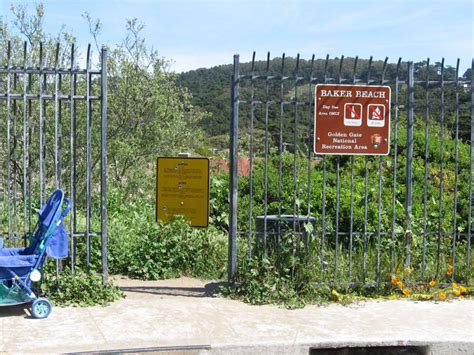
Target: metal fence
(370, 215)
(53, 135)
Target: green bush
(142, 248)
(161, 251)
(139, 247)
(77, 288)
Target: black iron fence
(53, 135)
(370, 215)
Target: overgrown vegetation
(294, 273)
(77, 288)
(144, 249)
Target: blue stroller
(20, 267)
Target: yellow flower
(461, 297)
(442, 296)
(422, 287)
(406, 292)
(449, 273)
(463, 290)
(457, 292)
(455, 285)
(432, 283)
(400, 284)
(394, 280)
(450, 267)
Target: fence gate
(53, 135)
(368, 215)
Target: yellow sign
(182, 188)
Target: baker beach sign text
(352, 120)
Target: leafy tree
(148, 113)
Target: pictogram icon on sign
(376, 115)
(352, 114)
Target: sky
(205, 33)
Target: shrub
(157, 251)
(78, 288)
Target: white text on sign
(348, 93)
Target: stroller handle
(67, 209)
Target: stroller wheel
(41, 308)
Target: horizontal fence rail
(366, 216)
(53, 135)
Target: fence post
(233, 159)
(103, 166)
(471, 164)
(409, 164)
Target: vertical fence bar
(25, 152)
(267, 99)
(395, 171)
(351, 219)
(233, 158)
(338, 191)
(409, 164)
(295, 158)
(456, 171)
(366, 199)
(40, 127)
(45, 125)
(88, 159)
(425, 177)
(9, 49)
(30, 154)
(56, 118)
(379, 220)
(74, 163)
(471, 164)
(103, 165)
(323, 197)
(60, 133)
(56, 132)
(14, 155)
(379, 207)
(366, 209)
(280, 147)
(310, 142)
(441, 172)
(336, 232)
(351, 212)
(72, 176)
(251, 142)
(295, 144)
(60, 137)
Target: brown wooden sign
(352, 120)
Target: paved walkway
(183, 315)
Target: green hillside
(210, 88)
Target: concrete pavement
(183, 316)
